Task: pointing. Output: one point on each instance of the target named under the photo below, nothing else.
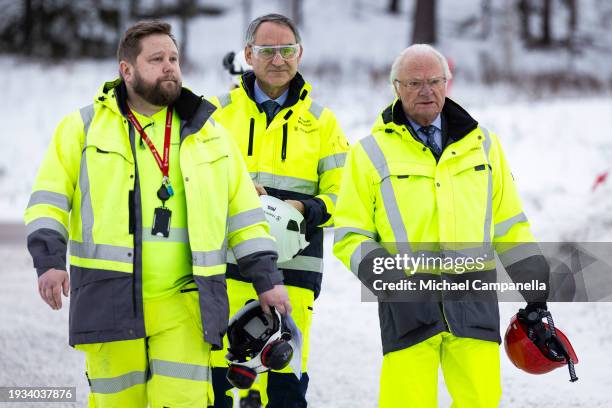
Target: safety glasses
(267, 52)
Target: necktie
(270, 108)
(429, 132)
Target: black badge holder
(162, 215)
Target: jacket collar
(457, 121)
(186, 106)
(193, 111)
(298, 89)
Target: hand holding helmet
(537, 347)
(258, 342)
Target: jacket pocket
(214, 307)
(191, 298)
(209, 151)
(98, 299)
(481, 315)
(400, 318)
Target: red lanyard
(164, 165)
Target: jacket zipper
(251, 136)
(444, 317)
(284, 147)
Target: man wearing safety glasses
(294, 150)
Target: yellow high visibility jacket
(395, 191)
(87, 194)
(298, 155)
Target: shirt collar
(437, 123)
(261, 96)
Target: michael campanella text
(476, 284)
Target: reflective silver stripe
(180, 370)
(253, 245)
(50, 198)
(335, 161)
(208, 258)
(246, 218)
(488, 215)
(117, 384)
(48, 223)
(377, 158)
(303, 263)
(87, 114)
(89, 250)
(87, 217)
(503, 227)
(340, 233)
(519, 253)
(231, 258)
(176, 235)
(225, 100)
(315, 109)
(485, 251)
(332, 197)
(287, 183)
(357, 256)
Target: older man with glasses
(294, 150)
(430, 176)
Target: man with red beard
(150, 193)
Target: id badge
(161, 222)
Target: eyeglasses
(267, 52)
(416, 85)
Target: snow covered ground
(555, 146)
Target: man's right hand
(260, 189)
(50, 286)
(276, 297)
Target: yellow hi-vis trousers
(409, 377)
(170, 368)
(302, 301)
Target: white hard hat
(257, 343)
(287, 226)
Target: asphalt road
(12, 233)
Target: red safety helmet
(537, 347)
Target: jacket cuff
(48, 250)
(44, 263)
(315, 212)
(367, 276)
(261, 268)
(533, 267)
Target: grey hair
(419, 49)
(272, 18)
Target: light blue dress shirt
(437, 123)
(261, 96)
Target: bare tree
(246, 13)
(487, 17)
(296, 12)
(394, 7)
(524, 8)
(546, 38)
(572, 22)
(543, 12)
(424, 22)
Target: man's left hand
(297, 204)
